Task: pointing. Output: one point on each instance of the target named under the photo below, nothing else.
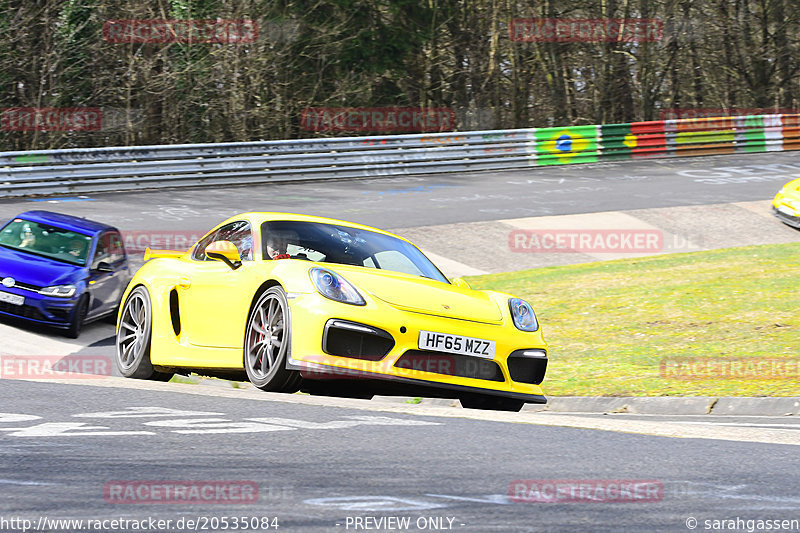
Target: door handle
(184, 282)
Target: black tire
(111, 318)
(133, 338)
(491, 403)
(78, 318)
(267, 339)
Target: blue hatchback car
(60, 270)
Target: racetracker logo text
(181, 492)
(54, 366)
(682, 113)
(585, 490)
(378, 119)
(137, 241)
(586, 241)
(565, 30)
(699, 368)
(180, 31)
(415, 366)
(51, 119)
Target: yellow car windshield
(330, 243)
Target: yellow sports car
(786, 205)
(329, 307)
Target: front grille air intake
(449, 364)
(343, 338)
(527, 366)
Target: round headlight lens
(523, 315)
(332, 285)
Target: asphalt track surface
(410, 201)
(323, 464)
(319, 467)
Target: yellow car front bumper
(515, 371)
(786, 204)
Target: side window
(199, 253)
(109, 249)
(102, 251)
(116, 251)
(236, 232)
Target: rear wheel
(133, 338)
(266, 344)
(491, 403)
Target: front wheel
(78, 318)
(133, 338)
(266, 344)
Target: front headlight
(332, 285)
(523, 315)
(59, 291)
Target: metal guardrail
(47, 172)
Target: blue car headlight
(523, 315)
(59, 291)
(332, 285)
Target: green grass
(610, 324)
(177, 378)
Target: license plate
(13, 299)
(445, 342)
(786, 210)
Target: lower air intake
(527, 366)
(462, 366)
(343, 338)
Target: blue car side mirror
(102, 266)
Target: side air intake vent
(174, 312)
(343, 338)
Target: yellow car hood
(423, 295)
(791, 190)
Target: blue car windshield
(46, 241)
(329, 243)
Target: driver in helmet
(276, 248)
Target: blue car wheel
(78, 317)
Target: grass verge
(721, 322)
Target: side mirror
(459, 282)
(102, 266)
(226, 252)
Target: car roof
(259, 218)
(68, 222)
